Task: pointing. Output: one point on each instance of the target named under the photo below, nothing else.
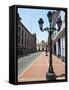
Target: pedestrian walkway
(37, 70)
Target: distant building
(41, 46)
(26, 40)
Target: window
(18, 39)
(18, 31)
(22, 32)
(25, 38)
(22, 40)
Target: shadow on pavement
(62, 75)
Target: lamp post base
(50, 76)
(46, 55)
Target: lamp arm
(48, 29)
(53, 28)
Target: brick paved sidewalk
(37, 70)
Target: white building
(59, 38)
(41, 46)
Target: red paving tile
(37, 70)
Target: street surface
(25, 61)
(35, 66)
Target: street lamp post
(39, 47)
(50, 75)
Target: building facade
(26, 40)
(58, 37)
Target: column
(57, 48)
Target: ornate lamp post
(50, 75)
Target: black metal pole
(39, 48)
(50, 74)
(50, 57)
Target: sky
(30, 17)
